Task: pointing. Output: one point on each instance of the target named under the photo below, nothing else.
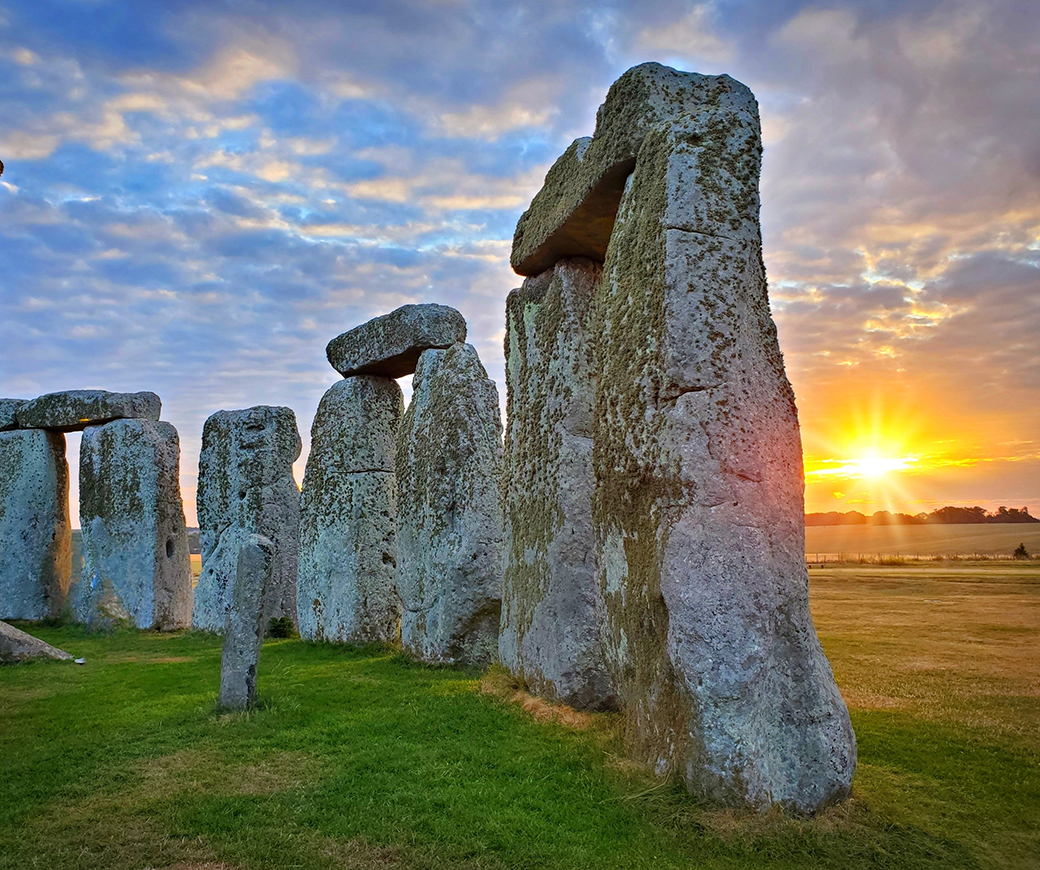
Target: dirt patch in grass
(501, 684)
(211, 771)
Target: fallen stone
(74, 410)
(390, 345)
(246, 484)
(135, 544)
(573, 214)
(698, 506)
(8, 410)
(246, 622)
(35, 533)
(17, 646)
(552, 606)
(348, 549)
(449, 522)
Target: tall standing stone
(698, 502)
(348, 550)
(246, 622)
(449, 528)
(552, 606)
(135, 545)
(246, 486)
(35, 534)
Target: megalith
(135, 544)
(390, 345)
(8, 411)
(17, 646)
(348, 550)
(552, 605)
(449, 521)
(246, 622)
(35, 533)
(246, 485)
(74, 410)
(698, 512)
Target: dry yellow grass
(957, 643)
(923, 541)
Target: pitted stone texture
(8, 410)
(552, 607)
(449, 527)
(246, 483)
(135, 545)
(698, 507)
(246, 622)
(573, 214)
(348, 549)
(74, 410)
(35, 534)
(17, 646)
(390, 345)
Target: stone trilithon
(697, 504)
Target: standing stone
(698, 507)
(74, 410)
(35, 534)
(552, 607)
(246, 622)
(8, 410)
(246, 485)
(135, 545)
(449, 527)
(390, 345)
(348, 550)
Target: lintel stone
(75, 410)
(574, 212)
(389, 346)
(8, 409)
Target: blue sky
(198, 196)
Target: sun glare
(871, 464)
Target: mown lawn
(360, 759)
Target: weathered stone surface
(8, 410)
(698, 506)
(573, 214)
(348, 548)
(390, 345)
(35, 534)
(74, 410)
(135, 545)
(449, 526)
(246, 484)
(552, 607)
(17, 646)
(246, 622)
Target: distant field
(938, 540)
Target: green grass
(361, 759)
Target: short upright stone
(246, 485)
(246, 622)
(135, 544)
(35, 534)
(552, 606)
(348, 549)
(74, 410)
(390, 345)
(449, 526)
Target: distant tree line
(944, 515)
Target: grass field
(953, 540)
(360, 759)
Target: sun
(874, 465)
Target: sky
(198, 196)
